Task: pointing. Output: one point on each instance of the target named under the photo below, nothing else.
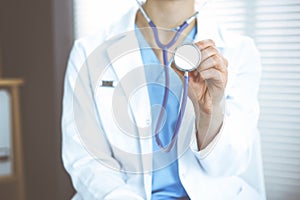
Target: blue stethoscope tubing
(165, 48)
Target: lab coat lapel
(126, 62)
(207, 29)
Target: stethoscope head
(187, 57)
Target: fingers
(203, 44)
(215, 61)
(211, 57)
(208, 52)
(213, 65)
(212, 74)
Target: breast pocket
(115, 119)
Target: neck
(166, 14)
(169, 13)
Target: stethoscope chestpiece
(187, 57)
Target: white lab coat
(105, 163)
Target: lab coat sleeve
(91, 178)
(230, 152)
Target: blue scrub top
(166, 184)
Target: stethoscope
(186, 58)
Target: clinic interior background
(275, 27)
(36, 37)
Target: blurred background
(35, 41)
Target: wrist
(208, 125)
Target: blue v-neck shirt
(166, 184)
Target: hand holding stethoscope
(206, 90)
(205, 78)
(208, 81)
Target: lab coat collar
(125, 58)
(125, 43)
(207, 29)
(127, 64)
(126, 23)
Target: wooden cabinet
(13, 154)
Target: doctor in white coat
(107, 121)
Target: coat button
(183, 175)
